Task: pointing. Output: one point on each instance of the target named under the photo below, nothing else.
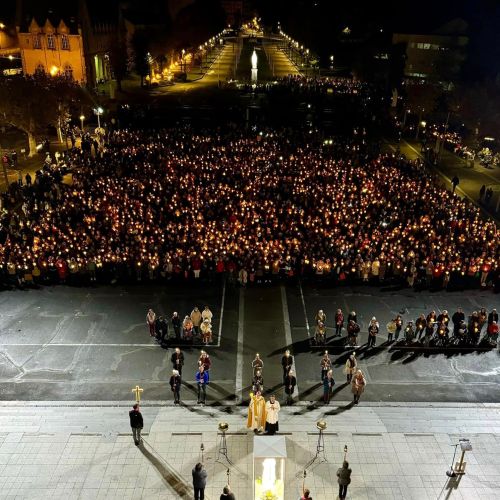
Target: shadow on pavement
(339, 409)
(169, 475)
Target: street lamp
(98, 111)
(182, 61)
(82, 118)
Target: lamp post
(183, 64)
(82, 118)
(98, 111)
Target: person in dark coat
(227, 494)
(344, 479)
(137, 423)
(290, 383)
(175, 385)
(176, 323)
(457, 318)
(177, 360)
(286, 363)
(161, 329)
(199, 481)
(328, 384)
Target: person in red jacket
(493, 330)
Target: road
(471, 179)
(68, 343)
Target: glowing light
(254, 60)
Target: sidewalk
(396, 451)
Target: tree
(118, 59)
(422, 98)
(140, 46)
(479, 107)
(31, 103)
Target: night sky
(317, 23)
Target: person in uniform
(272, 412)
(256, 413)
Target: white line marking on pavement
(239, 355)
(221, 314)
(288, 333)
(53, 344)
(304, 307)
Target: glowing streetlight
(98, 111)
(54, 70)
(82, 119)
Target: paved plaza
(70, 357)
(91, 344)
(396, 451)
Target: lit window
(37, 43)
(51, 42)
(68, 72)
(65, 42)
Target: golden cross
(137, 391)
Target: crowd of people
(434, 329)
(196, 327)
(177, 204)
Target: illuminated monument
(254, 66)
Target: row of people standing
(433, 327)
(436, 328)
(196, 325)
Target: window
(40, 69)
(51, 42)
(64, 42)
(37, 43)
(68, 72)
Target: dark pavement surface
(64, 343)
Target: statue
(254, 59)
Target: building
(50, 39)
(437, 56)
(54, 47)
(10, 55)
(100, 24)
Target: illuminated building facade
(55, 47)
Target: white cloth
(272, 411)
